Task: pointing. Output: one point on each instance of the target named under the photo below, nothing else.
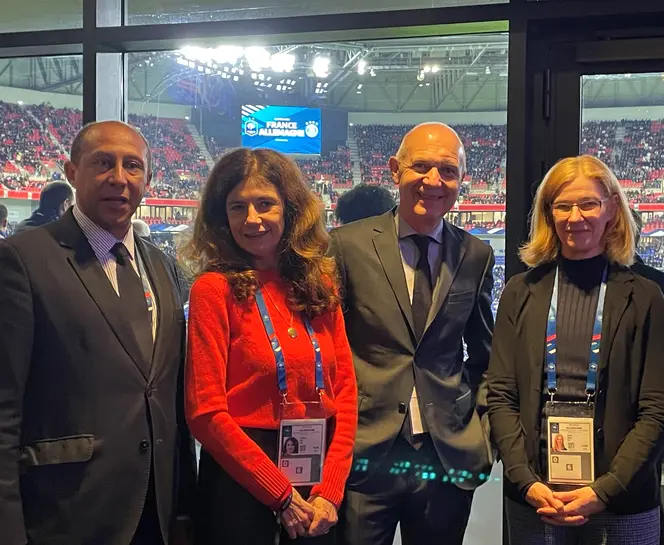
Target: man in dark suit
(94, 448)
(415, 289)
(657, 276)
(54, 200)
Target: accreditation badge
(302, 450)
(570, 443)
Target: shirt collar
(405, 230)
(100, 239)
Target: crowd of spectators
(485, 148)
(25, 149)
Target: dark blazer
(388, 359)
(81, 425)
(629, 417)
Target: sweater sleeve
(206, 401)
(340, 453)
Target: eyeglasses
(587, 207)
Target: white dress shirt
(102, 242)
(409, 258)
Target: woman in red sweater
(270, 385)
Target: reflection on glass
(41, 15)
(340, 110)
(40, 113)
(623, 125)
(144, 12)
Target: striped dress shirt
(102, 242)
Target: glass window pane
(41, 15)
(40, 113)
(623, 125)
(360, 99)
(143, 12)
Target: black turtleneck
(578, 294)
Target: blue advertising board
(288, 129)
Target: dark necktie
(132, 299)
(422, 287)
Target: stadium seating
(36, 140)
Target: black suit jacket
(388, 359)
(81, 425)
(629, 417)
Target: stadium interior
(193, 99)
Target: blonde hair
(543, 245)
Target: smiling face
(290, 447)
(428, 170)
(582, 213)
(110, 175)
(255, 212)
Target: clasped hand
(572, 508)
(309, 518)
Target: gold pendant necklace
(292, 332)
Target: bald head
(428, 168)
(88, 132)
(435, 133)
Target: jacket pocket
(62, 450)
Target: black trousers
(226, 514)
(430, 511)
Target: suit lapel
(535, 321)
(85, 264)
(618, 291)
(386, 244)
(453, 253)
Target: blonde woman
(577, 352)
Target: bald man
(93, 444)
(416, 289)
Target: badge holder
(302, 440)
(570, 446)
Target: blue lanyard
(551, 342)
(278, 352)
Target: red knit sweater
(231, 383)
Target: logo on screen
(251, 128)
(311, 129)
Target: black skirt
(227, 514)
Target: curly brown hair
(303, 264)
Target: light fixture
(487, 71)
(435, 68)
(361, 67)
(372, 73)
(257, 58)
(420, 75)
(227, 54)
(186, 117)
(359, 86)
(321, 67)
(282, 62)
(426, 69)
